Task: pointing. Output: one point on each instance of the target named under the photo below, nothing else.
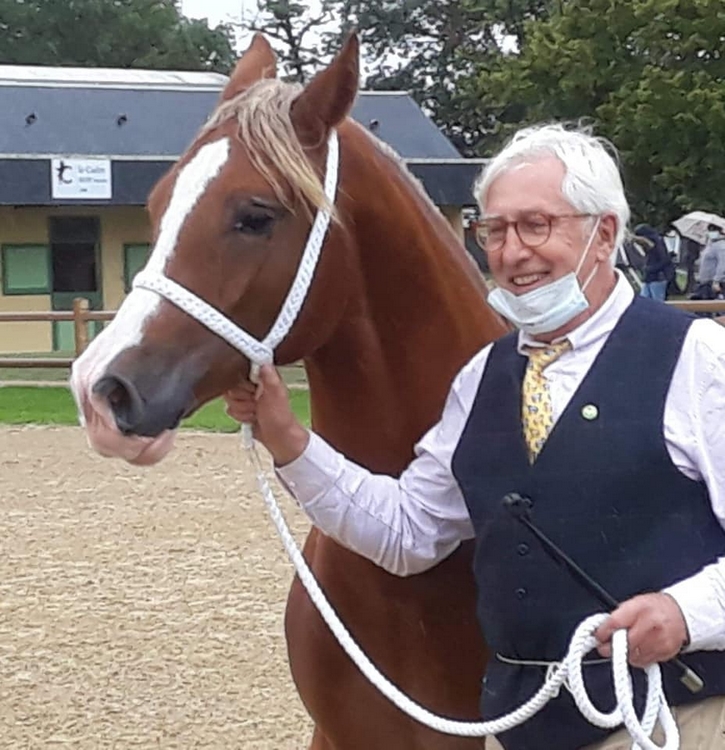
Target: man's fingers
(241, 414)
(605, 650)
(656, 629)
(241, 389)
(269, 378)
(604, 632)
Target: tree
(296, 32)
(648, 74)
(111, 33)
(427, 46)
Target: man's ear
(606, 237)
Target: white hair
(592, 182)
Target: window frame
(9, 291)
(127, 282)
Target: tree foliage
(427, 47)
(647, 74)
(297, 33)
(111, 33)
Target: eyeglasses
(533, 229)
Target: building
(80, 150)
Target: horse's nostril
(124, 400)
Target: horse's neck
(419, 315)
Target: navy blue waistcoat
(606, 491)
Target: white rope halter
(258, 352)
(569, 672)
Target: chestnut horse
(395, 308)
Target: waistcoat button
(523, 549)
(521, 593)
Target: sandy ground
(141, 608)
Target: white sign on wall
(80, 178)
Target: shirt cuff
(313, 473)
(701, 601)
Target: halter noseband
(258, 352)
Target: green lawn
(55, 405)
(292, 374)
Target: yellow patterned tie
(536, 413)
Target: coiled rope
(569, 671)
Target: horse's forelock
(263, 114)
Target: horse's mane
(263, 114)
(265, 128)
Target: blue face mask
(548, 307)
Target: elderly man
(606, 410)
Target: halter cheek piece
(258, 352)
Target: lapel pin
(590, 412)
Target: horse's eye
(250, 223)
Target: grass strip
(55, 406)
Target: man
(606, 410)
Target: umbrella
(694, 225)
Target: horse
(396, 307)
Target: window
(134, 259)
(26, 269)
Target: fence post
(80, 324)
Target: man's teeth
(524, 280)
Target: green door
(63, 331)
(75, 262)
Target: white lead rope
(569, 671)
(583, 641)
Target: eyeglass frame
(551, 219)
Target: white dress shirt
(409, 524)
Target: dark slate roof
(144, 119)
(127, 114)
(397, 119)
(102, 121)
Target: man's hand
(656, 629)
(266, 407)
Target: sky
(219, 11)
(225, 11)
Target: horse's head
(230, 221)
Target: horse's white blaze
(126, 329)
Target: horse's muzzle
(145, 409)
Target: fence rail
(81, 316)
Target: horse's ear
(328, 98)
(258, 61)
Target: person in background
(658, 266)
(690, 250)
(605, 409)
(711, 276)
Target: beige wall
(119, 225)
(455, 219)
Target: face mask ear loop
(584, 255)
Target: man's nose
(513, 249)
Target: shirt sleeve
(699, 382)
(405, 525)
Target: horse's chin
(105, 438)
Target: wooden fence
(81, 316)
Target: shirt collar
(599, 325)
